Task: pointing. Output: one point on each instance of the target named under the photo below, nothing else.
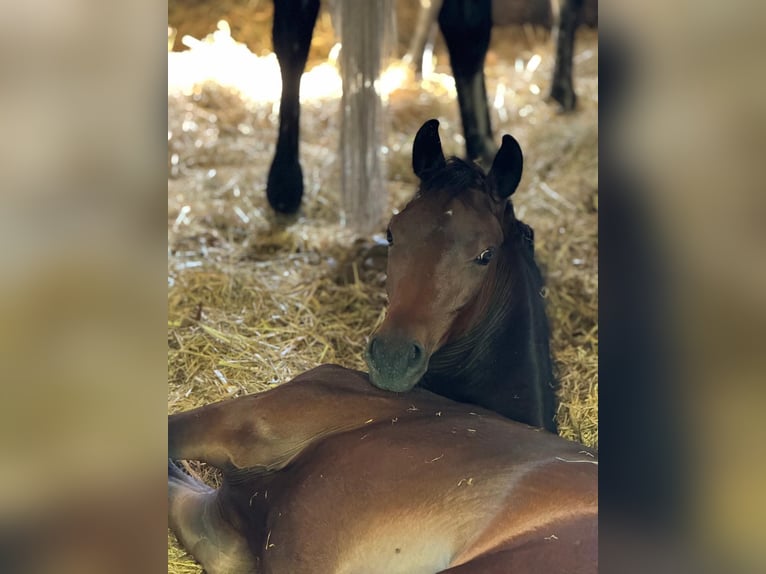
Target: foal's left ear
(427, 151)
(505, 174)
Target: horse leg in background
(424, 29)
(292, 31)
(466, 27)
(562, 89)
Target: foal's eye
(485, 256)
(389, 237)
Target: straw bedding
(255, 299)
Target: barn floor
(254, 299)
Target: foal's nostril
(415, 353)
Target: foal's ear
(505, 175)
(427, 149)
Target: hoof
(284, 188)
(565, 97)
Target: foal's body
(328, 474)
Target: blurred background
(84, 294)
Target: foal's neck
(500, 318)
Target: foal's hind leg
(466, 27)
(293, 27)
(195, 518)
(264, 431)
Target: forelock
(456, 177)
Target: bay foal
(466, 318)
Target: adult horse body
(466, 318)
(466, 26)
(327, 473)
(468, 54)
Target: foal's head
(445, 248)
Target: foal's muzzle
(396, 363)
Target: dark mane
(457, 176)
(526, 236)
(503, 362)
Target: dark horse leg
(293, 27)
(562, 89)
(466, 26)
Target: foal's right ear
(427, 151)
